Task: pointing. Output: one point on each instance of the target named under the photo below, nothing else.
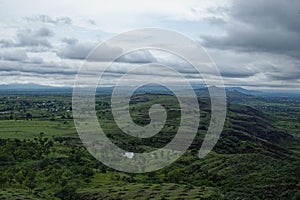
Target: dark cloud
(80, 50)
(27, 40)
(140, 56)
(4, 43)
(275, 86)
(18, 55)
(13, 55)
(287, 76)
(50, 20)
(262, 26)
(43, 32)
(37, 39)
(44, 68)
(34, 38)
(237, 74)
(75, 50)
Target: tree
(3, 178)
(30, 181)
(19, 177)
(42, 134)
(68, 192)
(28, 116)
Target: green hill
(256, 157)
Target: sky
(255, 44)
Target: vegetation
(257, 156)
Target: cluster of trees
(29, 107)
(43, 169)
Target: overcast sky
(255, 44)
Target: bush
(68, 192)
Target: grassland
(29, 129)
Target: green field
(28, 129)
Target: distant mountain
(238, 92)
(267, 93)
(27, 86)
(245, 91)
(32, 88)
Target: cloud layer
(266, 26)
(254, 43)
(267, 31)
